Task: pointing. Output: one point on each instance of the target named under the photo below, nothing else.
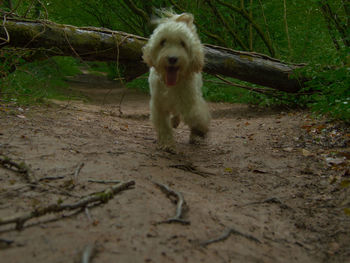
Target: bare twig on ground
(96, 198)
(103, 181)
(272, 200)
(180, 205)
(191, 169)
(226, 234)
(6, 241)
(88, 253)
(21, 168)
(59, 190)
(87, 213)
(77, 171)
(51, 178)
(41, 186)
(13, 189)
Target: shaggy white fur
(175, 56)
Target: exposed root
(190, 168)
(226, 234)
(179, 208)
(271, 200)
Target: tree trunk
(99, 44)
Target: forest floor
(270, 179)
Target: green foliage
(33, 82)
(333, 92)
(140, 83)
(213, 91)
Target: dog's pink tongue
(171, 76)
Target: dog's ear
(186, 18)
(197, 59)
(146, 56)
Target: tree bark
(99, 44)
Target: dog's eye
(162, 43)
(183, 44)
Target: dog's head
(174, 49)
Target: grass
(34, 82)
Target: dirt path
(259, 173)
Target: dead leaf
(333, 248)
(288, 149)
(335, 161)
(306, 153)
(250, 136)
(228, 170)
(345, 183)
(347, 211)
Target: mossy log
(100, 44)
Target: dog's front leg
(162, 124)
(198, 121)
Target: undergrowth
(36, 81)
(33, 82)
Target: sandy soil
(262, 173)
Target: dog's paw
(167, 148)
(196, 140)
(197, 137)
(175, 121)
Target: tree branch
(243, 13)
(90, 43)
(21, 168)
(100, 197)
(138, 11)
(336, 21)
(226, 25)
(209, 34)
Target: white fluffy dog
(175, 56)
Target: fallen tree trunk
(99, 44)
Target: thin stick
(286, 25)
(51, 178)
(271, 200)
(100, 197)
(103, 181)
(179, 208)
(7, 40)
(21, 168)
(191, 169)
(88, 253)
(87, 213)
(77, 171)
(226, 234)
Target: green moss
(246, 57)
(105, 196)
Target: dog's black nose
(172, 60)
